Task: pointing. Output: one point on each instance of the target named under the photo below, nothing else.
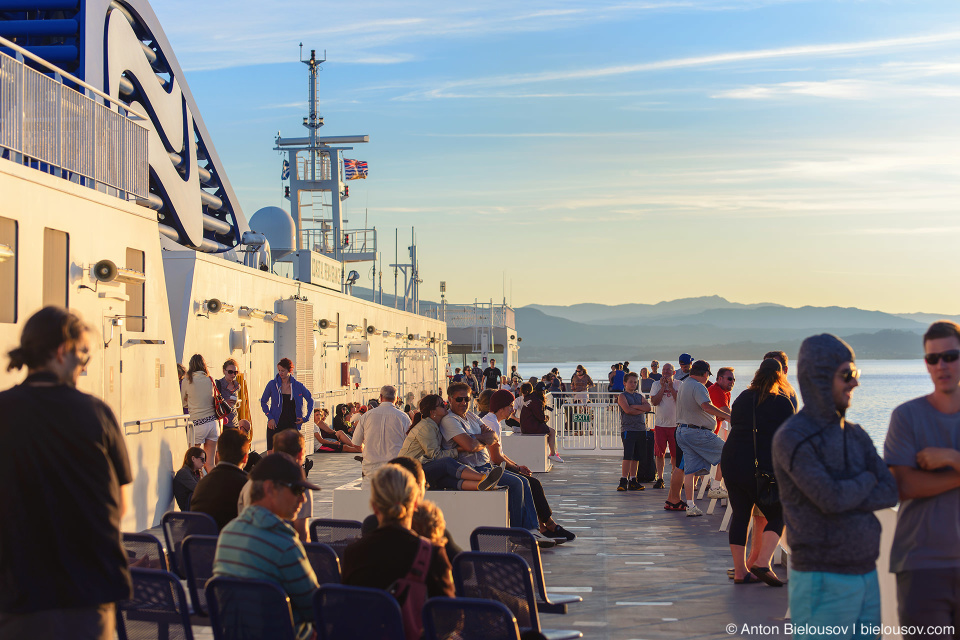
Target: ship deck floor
(643, 572)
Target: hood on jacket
(820, 357)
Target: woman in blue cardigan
(283, 402)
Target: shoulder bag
(768, 494)
(220, 406)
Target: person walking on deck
(695, 424)
(663, 395)
(831, 480)
(62, 567)
(922, 450)
(633, 432)
(491, 376)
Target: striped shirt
(258, 544)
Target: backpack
(411, 591)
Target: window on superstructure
(56, 265)
(135, 305)
(8, 271)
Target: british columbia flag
(354, 169)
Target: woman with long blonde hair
(196, 392)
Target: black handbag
(220, 406)
(768, 493)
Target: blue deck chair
(244, 609)
(336, 534)
(177, 525)
(356, 612)
(468, 619)
(521, 542)
(158, 608)
(506, 578)
(198, 553)
(144, 551)
(325, 563)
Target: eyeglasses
(231, 372)
(730, 378)
(851, 374)
(947, 356)
(461, 399)
(295, 489)
(201, 458)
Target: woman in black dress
(763, 407)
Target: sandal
(747, 579)
(731, 573)
(674, 506)
(767, 575)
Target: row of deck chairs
(503, 568)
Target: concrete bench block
(464, 511)
(530, 450)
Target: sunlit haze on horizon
(794, 152)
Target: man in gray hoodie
(831, 481)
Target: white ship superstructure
(113, 202)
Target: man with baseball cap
(261, 543)
(696, 420)
(686, 361)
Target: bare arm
(466, 442)
(925, 483)
(300, 524)
(714, 411)
(632, 409)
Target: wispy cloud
(446, 90)
(841, 88)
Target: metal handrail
(184, 417)
(25, 53)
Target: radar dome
(278, 226)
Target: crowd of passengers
(808, 471)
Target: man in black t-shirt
(59, 579)
(491, 376)
(217, 492)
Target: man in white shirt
(381, 431)
(663, 395)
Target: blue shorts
(819, 599)
(634, 445)
(701, 449)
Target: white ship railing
(588, 421)
(52, 127)
(478, 315)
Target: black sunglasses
(948, 356)
(461, 399)
(850, 374)
(231, 371)
(296, 489)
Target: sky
(795, 152)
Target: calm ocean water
(884, 384)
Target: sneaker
(675, 506)
(543, 541)
(693, 511)
(634, 485)
(623, 485)
(717, 493)
(489, 480)
(555, 458)
(560, 534)
(658, 484)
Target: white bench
(464, 511)
(530, 450)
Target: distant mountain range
(709, 327)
